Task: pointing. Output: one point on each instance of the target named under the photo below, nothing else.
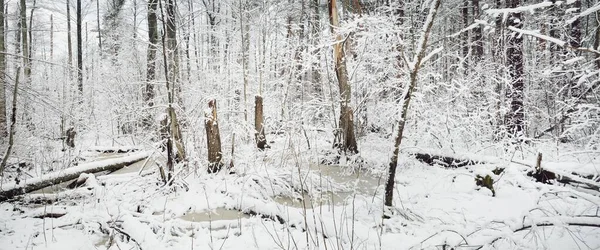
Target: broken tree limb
(9, 191)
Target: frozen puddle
(217, 214)
(355, 182)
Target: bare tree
(151, 58)
(345, 138)
(69, 43)
(514, 56)
(79, 50)
(3, 123)
(414, 67)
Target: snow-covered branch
(559, 42)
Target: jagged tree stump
(261, 141)
(213, 138)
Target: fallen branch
(11, 190)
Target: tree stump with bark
(70, 137)
(261, 141)
(213, 138)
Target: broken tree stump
(11, 190)
(261, 141)
(213, 138)
(70, 137)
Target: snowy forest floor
(259, 205)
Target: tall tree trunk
(69, 43)
(79, 51)
(345, 138)
(420, 54)
(151, 58)
(514, 56)
(244, 31)
(99, 27)
(597, 40)
(171, 76)
(465, 34)
(477, 33)
(3, 122)
(25, 42)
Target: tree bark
(345, 138)
(597, 40)
(13, 122)
(213, 138)
(477, 34)
(79, 51)
(9, 191)
(3, 122)
(261, 141)
(420, 54)
(69, 43)
(151, 59)
(514, 55)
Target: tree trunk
(79, 51)
(597, 40)
(465, 35)
(99, 27)
(13, 122)
(345, 139)
(69, 43)
(389, 187)
(3, 122)
(213, 138)
(151, 59)
(25, 43)
(261, 141)
(244, 31)
(477, 34)
(11, 190)
(514, 55)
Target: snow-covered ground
(259, 206)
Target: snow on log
(11, 190)
(446, 161)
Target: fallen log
(11, 190)
(543, 175)
(446, 161)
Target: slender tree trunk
(597, 40)
(151, 58)
(465, 35)
(69, 43)
(244, 31)
(79, 51)
(99, 27)
(514, 55)
(345, 138)
(477, 33)
(169, 41)
(25, 42)
(13, 121)
(3, 122)
(389, 187)
(51, 37)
